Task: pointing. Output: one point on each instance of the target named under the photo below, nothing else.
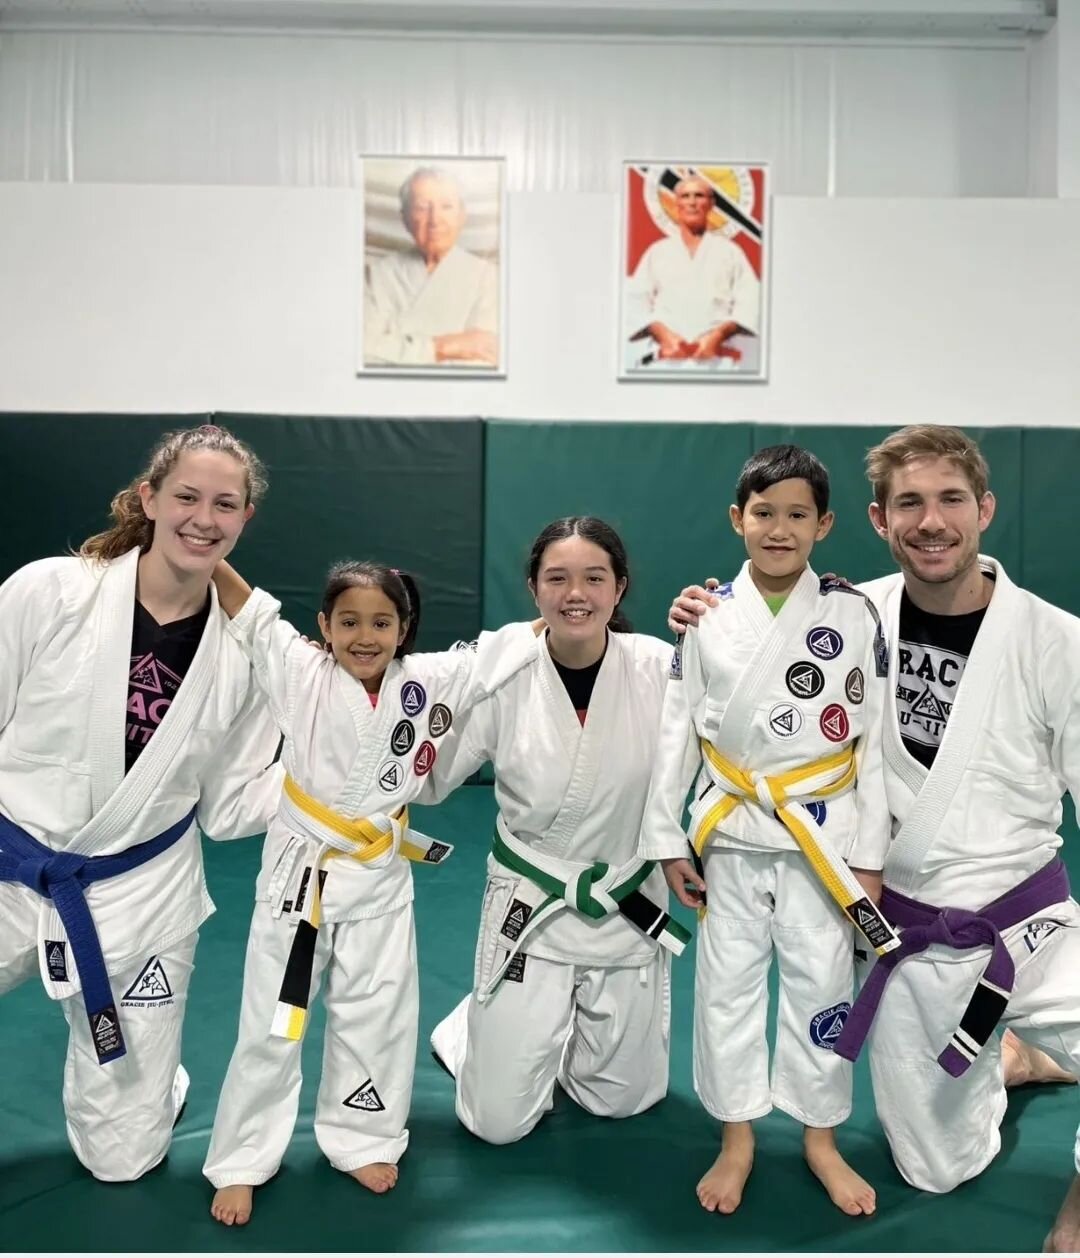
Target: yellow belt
(368, 842)
(775, 791)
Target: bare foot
(376, 1176)
(850, 1192)
(1064, 1236)
(232, 1205)
(721, 1187)
(1024, 1064)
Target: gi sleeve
(467, 745)
(240, 789)
(1058, 664)
(745, 293)
(874, 820)
(31, 608)
(281, 661)
(384, 341)
(469, 673)
(678, 757)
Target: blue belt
(61, 877)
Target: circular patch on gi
(424, 758)
(439, 720)
(391, 775)
(403, 737)
(785, 720)
(825, 1027)
(855, 686)
(805, 680)
(835, 724)
(824, 642)
(413, 698)
(818, 811)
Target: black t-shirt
(579, 683)
(933, 653)
(160, 658)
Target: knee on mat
(116, 1154)
(495, 1128)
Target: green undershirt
(774, 602)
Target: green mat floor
(577, 1183)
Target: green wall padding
(1050, 491)
(667, 488)
(406, 492)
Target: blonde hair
(131, 526)
(922, 441)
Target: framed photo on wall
(434, 277)
(693, 268)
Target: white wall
(126, 298)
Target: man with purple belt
(982, 740)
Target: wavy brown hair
(130, 526)
(920, 441)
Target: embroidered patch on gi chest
(424, 758)
(413, 698)
(855, 686)
(824, 642)
(150, 988)
(403, 737)
(391, 775)
(805, 680)
(365, 1097)
(834, 723)
(825, 1027)
(726, 591)
(56, 960)
(440, 718)
(785, 720)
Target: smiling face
(576, 591)
(363, 631)
(933, 520)
(434, 215)
(780, 526)
(199, 511)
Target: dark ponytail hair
(399, 588)
(590, 529)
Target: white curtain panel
(844, 119)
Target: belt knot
(42, 873)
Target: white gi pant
(119, 1116)
(601, 1032)
(369, 1050)
(942, 1130)
(759, 902)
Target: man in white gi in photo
(694, 297)
(435, 304)
(981, 741)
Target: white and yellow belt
(330, 835)
(782, 794)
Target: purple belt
(922, 925)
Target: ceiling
(921, 19)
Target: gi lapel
(777, 634)
(373, 729)
(112, 667)
(917, 834)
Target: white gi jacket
(985, 816)
(358, 760)
(773, 693)
(573, 791)
(406, 306)
(65, 659)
